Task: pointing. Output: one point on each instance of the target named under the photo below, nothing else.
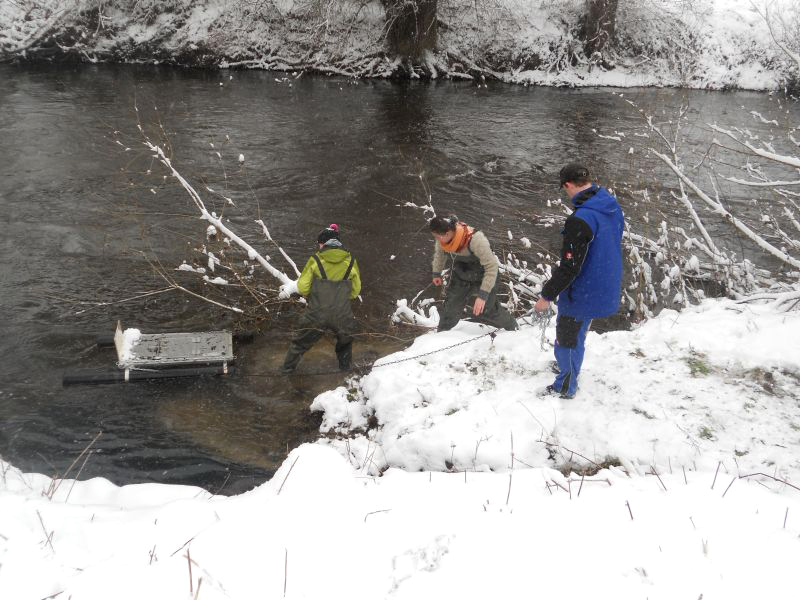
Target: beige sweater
(478, 246)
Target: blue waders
(569, 349)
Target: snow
(320, 529)
(703, 44)
(444, 476)
(215, 280)
(716, 382)
(405, 314)
(455, 491)
(130, 337)
(184, 266)
(286, 290)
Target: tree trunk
(410, 26)
(599, 25)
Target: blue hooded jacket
(595, 291)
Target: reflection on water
(79, 210)
(245, 421)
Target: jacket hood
(334, 255)
(596, 198)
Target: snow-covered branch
(779, 40)
(280, 249)
(790, 215)
(791, 161)
(722, 211)
(762, 183)
(174, 285)
(288, 285)
(405, 314)
(713, 251)
(780, 300)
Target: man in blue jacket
(588, 279)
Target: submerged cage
(142, 356)
(153, 350)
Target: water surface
(81, 220)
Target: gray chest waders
(464, 285)
(328, 309)
(329, 301)
(465, 279)
(468, 268)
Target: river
(82, 216)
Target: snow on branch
(174, 285)
(288, 285)
(790, 215)
(722, 211)
(762, 183)
(784, 301)
(405, 314)
(713, 251)
(765, 14)
(286, 256)
(426, 208)
(791, 161)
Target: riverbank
(714, 383)
(709, 44)
(699, 407)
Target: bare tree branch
(722, 211)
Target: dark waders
(465, 283)
(328, 310)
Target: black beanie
(331, 232)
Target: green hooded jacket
(334, 261)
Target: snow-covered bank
(715, 382)
(318, 530)
(701, 44)
(700, 408)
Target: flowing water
(82, 217)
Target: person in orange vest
(474, 274)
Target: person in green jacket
(330, 280)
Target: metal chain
(541, 320)
(456, 345)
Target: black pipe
(118, 376)
(105, 341)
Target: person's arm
(479, 245)
(439, 260)
(307, 277)
(577, 237)
(355, 279)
